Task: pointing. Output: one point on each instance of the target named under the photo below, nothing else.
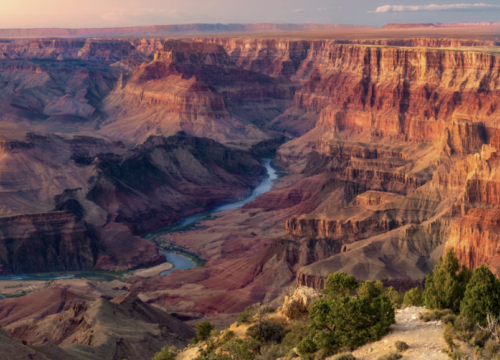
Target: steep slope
(196, 88)
(85, 328)
(72, 203)
(124, 327)
(163, 180)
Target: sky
(119, 13)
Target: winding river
(180, 262)
(183, 263)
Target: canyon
(385, 141)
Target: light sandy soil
(425, 339)
(17, 287)
(155, 270)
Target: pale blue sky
(116, 13)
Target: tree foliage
(339, 284)
(414, 297)
(482, 295)
(203, 330)
(340, 321)
(166, 354)
(445, 288)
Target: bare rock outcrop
(299, 303)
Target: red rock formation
(475, 239)
(196, 88)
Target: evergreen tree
(482, 296)
(445, 288)
(340, 321)
(339, 284)
(413, 297)
(203, 330)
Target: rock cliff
(196, 88)
(46, 242)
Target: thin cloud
(321, 9)
(434, 7)
(297, 10)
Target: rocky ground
(425, 339)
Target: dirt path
(425, 339)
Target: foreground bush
(245, 315)
(266, 331)
(390, 356)
(340, 321)
(445, 288)
(401, 346)
(344, 356)
(435, 315)
(234, 349)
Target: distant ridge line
(166, 30)
(440, 25)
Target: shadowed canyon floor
(386, 143)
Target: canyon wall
(394, 86)
(46, 242)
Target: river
(179, 262)
(183, 263)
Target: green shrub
(228, 335)
(458, 355)
(401, 346)
(214, 333)
(211, 352)
(320, 355)
(390, 356)
(449, 336)
(272, 352)
(166, 354)
(266, 309)
(478, 352)
(482, 295)
(307, 346)
(491, 349)
(297, 331)
(266, 331)
(395, 298)
(245, 315)
(239, 349)
(445, 288)
(434, 315)
(413, 297)
(344, 356)
(464, 328)
(479, 338)
(450, 318)
(203, 330)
